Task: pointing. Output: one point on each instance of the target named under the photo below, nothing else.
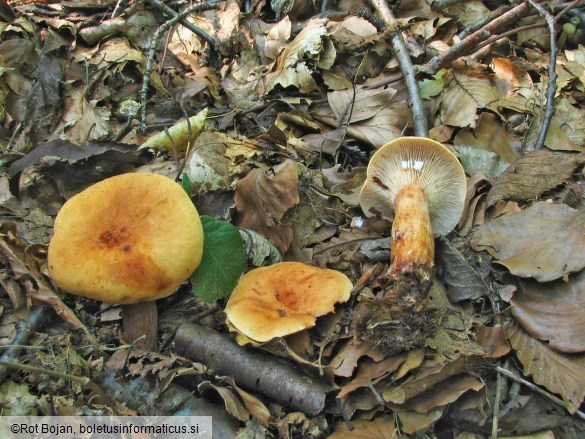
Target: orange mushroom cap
(130, 238)
(284, 298)
(425, 163)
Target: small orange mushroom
(128, 239)
(421, 184)
(284, 298)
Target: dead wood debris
(253, 370)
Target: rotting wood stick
(254, 370)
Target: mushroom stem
(140, 321)
(413, 245)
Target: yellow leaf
(179, 134)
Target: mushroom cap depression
(422, 161)
(130, 238)
(284, 298)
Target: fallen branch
(24, 331)
(254, 370)
(471, 42)
(419, 119)
(177, 17)
(552, 75)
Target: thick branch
(254, 370)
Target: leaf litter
(269, 116)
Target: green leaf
(222, 263)
(186, 184)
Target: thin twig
(419, 119)
(470, 42)
(468, 30)
(537, 389)
(48, 372)
(552, 74)
(496, 409)
(24, 331)
(177, 17)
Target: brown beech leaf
(545, 241)
(358, 105)
(553, 312)
(559, 373)
(493, 341)
(443, 393)
(262, 198)
(382, 427)
(370, 372)
(533, 174)
(461, 280)
(491, 135)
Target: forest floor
(267, 113)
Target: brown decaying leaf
(443, 393)
(382, 427)
(359, 104)
(233, 404)
(534, 242)
(491, 135)
(553, 312)
(430, 374)
(559, 373)
(533, 174)
(262, 198)
(469, 90)
(26, 263)
(461, 280)
(493, 341)
(370, 372)
(412, 421)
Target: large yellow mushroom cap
(284, 298)
(130, 238)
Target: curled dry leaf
(560, 374)
(533, 174)
(553, 312)
(533, 242)
(262, 198)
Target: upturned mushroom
(129, 239)
(284, 298)
(421, 185)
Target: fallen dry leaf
(382, 427)
(533, 174)
(463, 282)
(263, 197)
(469, 90)
(491, 135)
(559, 373)
(370, 372)
(443, 393)
(533, 242)
(554, 312)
